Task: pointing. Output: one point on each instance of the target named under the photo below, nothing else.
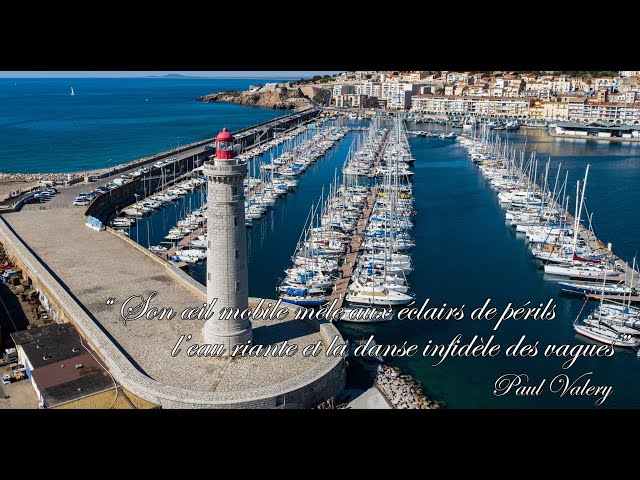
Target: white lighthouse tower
(227, 277)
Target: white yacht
(372, 294)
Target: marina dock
(626, 271)
(342, 284)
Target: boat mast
(579, 212)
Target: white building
(480, 106)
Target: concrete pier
(77, 269)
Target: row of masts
(569, 252)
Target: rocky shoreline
(402, 391)
(279, 98)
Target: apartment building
(462, 105)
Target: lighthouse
(227, 277)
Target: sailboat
(601, 326)
(72, 92)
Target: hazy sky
(114, 74)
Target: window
(236, 254)
(209, 276)
(237, 287)
(235, 191)
(235, 221)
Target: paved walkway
(96, 266)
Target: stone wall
(326, 379)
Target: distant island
(174, 75)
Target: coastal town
(614, 97)
(332, 192)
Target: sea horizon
(111, 121)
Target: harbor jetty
(73, 284)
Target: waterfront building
(630, 73)
(480, 106)
(537, 111)
(554, 110)
(616, 112)
(599, 129)
(227, 272)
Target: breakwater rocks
(279, 98)
(402, 391)
(35, 177)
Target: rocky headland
(278, 98)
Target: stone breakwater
(402, 391)
(35, 177)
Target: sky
(120, 74)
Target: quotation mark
(111, 301)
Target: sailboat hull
(595, 333)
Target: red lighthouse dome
(224, 145)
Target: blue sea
(465, 252)
(43, 129)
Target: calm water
(467, 254)
(44, 129)
(272, 239)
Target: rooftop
(71, 379)
(49, 344)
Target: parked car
(126, 176)
(81, 202)
(6, 378)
